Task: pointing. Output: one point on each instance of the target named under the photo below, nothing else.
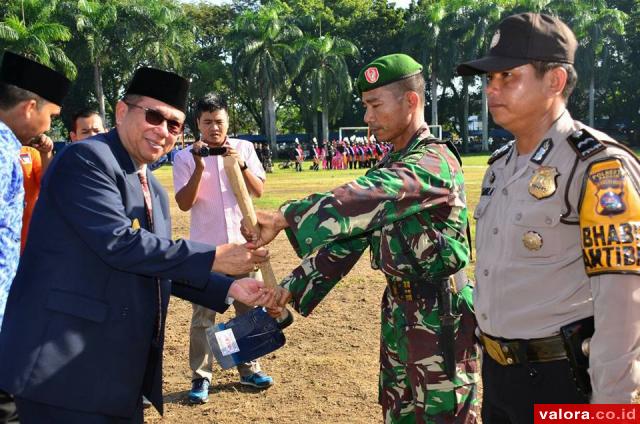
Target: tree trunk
(592, 98)
(485, 114)
(315, 124)
(465, 112)
(97, 81)
(269, 112)
(325, 122)
(434, 98)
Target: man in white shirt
(202, 187)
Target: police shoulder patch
(585, 144)
(501, 152)
(610, 220)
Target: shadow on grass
(182, 397)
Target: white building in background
(475, 123)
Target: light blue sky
(399, 3)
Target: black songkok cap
(32, 76)
(161, 85)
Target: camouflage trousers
(414, 387)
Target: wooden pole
(234, 174)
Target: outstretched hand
(237, 259)
(251, 292)
(281, 298)
(269, 226)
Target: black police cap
(523, 38)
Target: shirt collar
(553, 138)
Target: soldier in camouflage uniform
(410, 210)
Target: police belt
(412, 290)
(512, 352)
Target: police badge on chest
(544, 182)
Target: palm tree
(30, 30)
(480, 18)
(598, 29)
(263, 48)
(422, 40)
(326, 76)
(163, 35)
(93, 20)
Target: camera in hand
(205, 151)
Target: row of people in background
(349, 153)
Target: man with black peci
(83, 332)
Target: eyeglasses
(154, 117)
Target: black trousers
(509, 393)
(39, 413)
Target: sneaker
(145, 402)
(258, 379)
(199, 391)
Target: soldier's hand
(251, 292)
(269, 226)
(281, 298)
(235, 259)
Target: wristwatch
(243, 167)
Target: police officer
(410, 211)
(557, 236)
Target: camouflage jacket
(411, 203)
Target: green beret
(387, 69)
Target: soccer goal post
(349, 131)
(436, 131)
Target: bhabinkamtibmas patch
(610, 220)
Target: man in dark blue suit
(83, 330)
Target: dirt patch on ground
(326, 373)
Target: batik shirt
(11, 206)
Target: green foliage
(324, 84)
(298, 58)
(27, 29)
(263, 58)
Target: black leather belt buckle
(507, 352)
